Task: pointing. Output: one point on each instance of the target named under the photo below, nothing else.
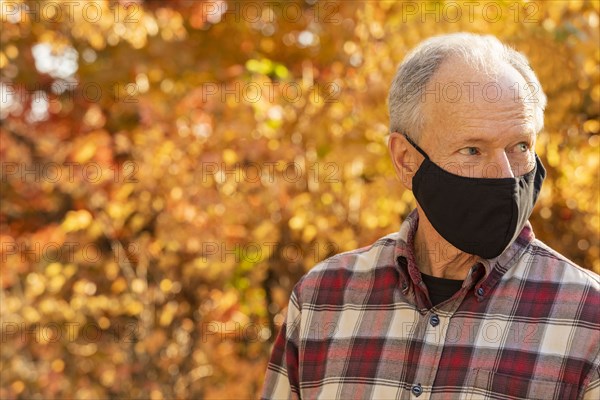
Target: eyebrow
(522, 136)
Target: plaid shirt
(525, 325)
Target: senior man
(463, 301)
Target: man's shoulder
(548, 262)
(335, 272)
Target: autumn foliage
(170, 169)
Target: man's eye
(469, 151)
(522, 147)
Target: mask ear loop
(420, 150)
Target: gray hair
(485, 53)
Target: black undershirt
(440, 289)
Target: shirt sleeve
(282, 377)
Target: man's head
(473, 104)
(464, 114)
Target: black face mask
(480, 216)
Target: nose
(500, 167)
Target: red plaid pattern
(525, 325)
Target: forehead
(462, 100)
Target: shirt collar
(405, 250)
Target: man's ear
(404, 158)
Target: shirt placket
(433, 329)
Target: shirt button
(434, 320)
(417, 389)
(480, 291)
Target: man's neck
(435, 256)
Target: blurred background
(171, 168)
